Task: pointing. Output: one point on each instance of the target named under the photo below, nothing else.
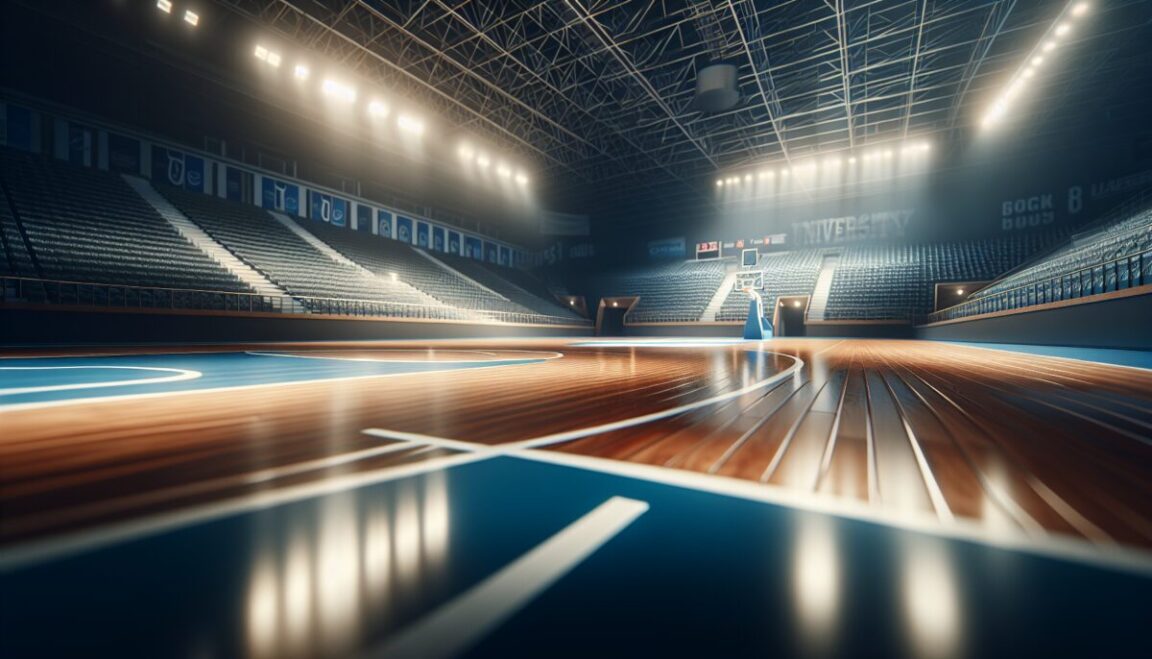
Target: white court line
(458, 625)
(180, 375)
(17, 407)
(542, 355)
(42, 551)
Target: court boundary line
(472, 615)
(21, 407)
(182, 375)
(555, 355)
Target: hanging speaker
(716, 88)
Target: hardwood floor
(1007, 440)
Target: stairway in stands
(717, 301)
(203, 241)
(819, 301)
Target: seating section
(898, 282)
(788, 273)
(1109, 258)
(84, 225)
(262, 242)
(516, 285)
(386, 258)
(671, 293)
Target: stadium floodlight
(521, 178)
(270, 57)
(747, 178)
(466, 152)
(274, 59)
(888, 153)
(483, 161)
(1038, 60)
(302, 72)
(191, 17)
(1028, 72)
(502, 171)
(378, 109)
(852, 160)
(1080, 8)
(164, 6)
(1049, 46)
(261, 53)
(1063, 29)
(796, 303)
(719, 183)
(959, 291)
(338, 91)
(410, 124)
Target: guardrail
(834, 314)
(1109, 276)
(122, 296)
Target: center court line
(456, 626)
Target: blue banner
(490, 252)
(178, 169)
(327, 208)
(473, 248)
(339, 212)
(404, 229)
(236, 182)
(421, 234)
(20, 133)
(363, 218)
(280, 196)
(454, 243)
(384, 220)
(123, 154)
(438, 238)
(505, 255)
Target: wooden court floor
(1008, 441)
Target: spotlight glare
(378, 109)
(1049, 46)
(191, 17)
(466, 152)
(719, 183)
(1063, 29)
(503, 171)
(1037, 61)
(483, 161)
(301, 72)
(521, 178)
(339, 91)
(852, 160)
(261, 53)
(747, 178)
(164, 6)
(410, 124)
(1029, 72)
(274, 59)
(888, 153)
(1080, 9)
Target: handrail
(1117, 274)
(51, 291)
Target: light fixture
(301, 72)
(747, 178)
(378, 109)
(410, 124)
(719, 183)
(502, 171)
(191, 17)
(164, 6)
(274, 59)
(271, 57)
(261, 53)
(521, 178)
(852, 160)
(465, 151)
(1063, 29)
(338, 91)
(1080, 9)
(483, 161)
(959, 291)
(1037, 61)
(796, 303)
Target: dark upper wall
(119, 60)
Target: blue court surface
(47, 380)
(1134, 358)
(463, 560)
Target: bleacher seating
(669, 293)
(84, 225)
(285, 258)
(787, 273)
(1109, 258)
(516, 285)
(389, 257)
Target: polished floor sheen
(367, 497)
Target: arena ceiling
(598, 94)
